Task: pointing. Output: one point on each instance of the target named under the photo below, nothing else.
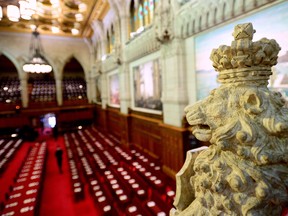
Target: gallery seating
(74, 89)
(10, 91)
(42, 90)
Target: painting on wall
(270, 23)
(114, 87)
(147, 86)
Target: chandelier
(14, 9)
(37, 62)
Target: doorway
(48, 123)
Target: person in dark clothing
(58, 155)
(55, 132)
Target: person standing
(58, 155)
(55, 132)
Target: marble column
(104, 88)
(174, 96)
(59, 92)
(92, 90)
(125, 96)
(24, 92)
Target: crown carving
(245, 60)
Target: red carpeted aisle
(57, 199)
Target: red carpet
(6, 179)
(57, 199)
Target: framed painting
(147, 86)
(113, 89)
(270, 23)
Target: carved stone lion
(245, 169)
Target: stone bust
(245, 169)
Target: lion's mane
(244, 171)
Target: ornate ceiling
(59, 17)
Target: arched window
(142, 15)
(141, 22)
(151, 10)
(146, 12)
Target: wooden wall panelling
(125, 129)
(75, 115)
(164, 142)
(14, 122)
(175, 142)
(145, 133)
(113, 122)
(8, 107)
(101, 118)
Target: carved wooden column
(245, 169)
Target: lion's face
(227, 105)
(208, 114)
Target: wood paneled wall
(14, 121)
(175, 145)
(113, 122)
(167, 143)
(100, 118)
(146, 134)
(31, 117)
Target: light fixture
(37, 62)
(82, 7)
(79, 17)
(13, 13)
(55, 29)
(14, 9)
(74, 31)
(1, 13)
